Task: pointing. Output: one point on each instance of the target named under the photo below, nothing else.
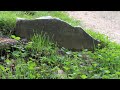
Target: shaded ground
(105, 22)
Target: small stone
(61, 52)
(60, 72)
(6, 42)
(24, 40)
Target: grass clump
(41, 42)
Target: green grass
(40, 58)
(40, 42)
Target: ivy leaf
(16, 53)
(68, 53)
(13, 36)
(94, 64)
(83, 76)
(107, 71)
(105, 77)
(2, 68)
(17, 38)
(8, 61)
(79, 55)
(2, 58)
(66, 68)
(118, 73)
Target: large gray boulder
(67, 36)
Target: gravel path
(105, 22)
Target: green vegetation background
(45, 60)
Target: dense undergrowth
(40, 58)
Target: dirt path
(105, 22)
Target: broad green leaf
(68, 53)
(7, 61)
(2, 67)
(107, 71)
(118, 73)
(83, 76)
(13, 36)
(17, 38)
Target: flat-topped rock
(7, 42)
(67, 36)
